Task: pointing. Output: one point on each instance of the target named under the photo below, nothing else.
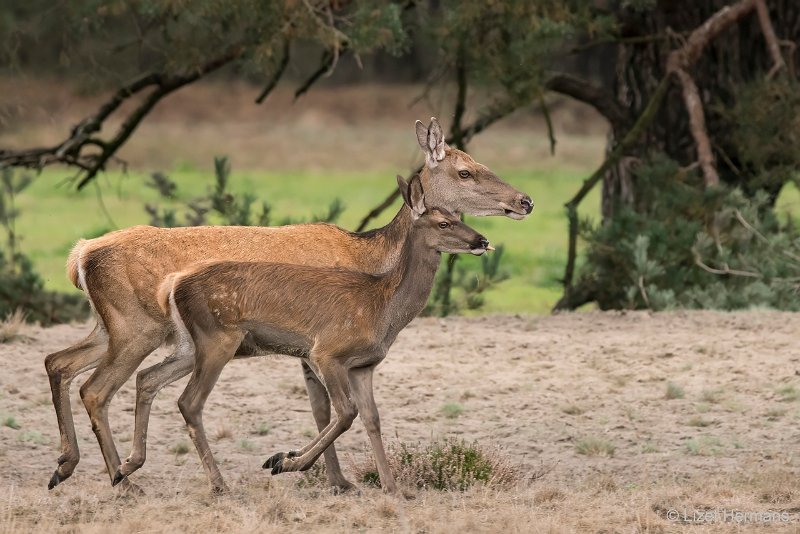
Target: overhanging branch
(73, 150)
(590, 94)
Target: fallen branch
(725, 269)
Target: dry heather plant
(11, 327)
(446, 465)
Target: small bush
(447, 465)
(220, 205)
(703, 446)
(595, 447)
(223, 432)
(699, 422)
(33, 437)
(11, 422)
(674, 391)
(788, 393)
(452, 410)
(21, 288)
(180, 448)
(263, 429)
(11, 326)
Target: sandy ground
(542, 388)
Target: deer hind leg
(127, 349)
(210, 357)
(62, 367)
(148, 383)
(361, 382)
(335, 377)
(321, 409)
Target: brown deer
(120, 273)
(340, 321)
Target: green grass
(54, 216)
(452, 410)
(11, 422)
(674, 391)
(595, 447)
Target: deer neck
(409, 284)
(388, 240)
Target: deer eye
(464, 174)
(444, 224)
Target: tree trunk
(738, 55)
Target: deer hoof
(118, 477)
(56, 479)
(277, 459)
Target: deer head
(442, 230)
(453, 180)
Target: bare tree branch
(697, 125)
(276, 76)
(773, 45)
(325, 63)
(72, 150)
(590, 94)
(548, 120)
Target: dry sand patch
(624, 416)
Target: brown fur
(341, 321)
(123, 271)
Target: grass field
(311, 149)
(54, 217)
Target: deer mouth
(484, 246)
(514, 213)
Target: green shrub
(21, 289)
(691, 247)
(447, 465)
(224, 206)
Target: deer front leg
(338, 386)
(321, 410)
(361, 382)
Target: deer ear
(422, 135)
(435, 146)
(416, 197)
(403, 186)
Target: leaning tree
(709, 85)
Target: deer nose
(526, 203)
(483, 242)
